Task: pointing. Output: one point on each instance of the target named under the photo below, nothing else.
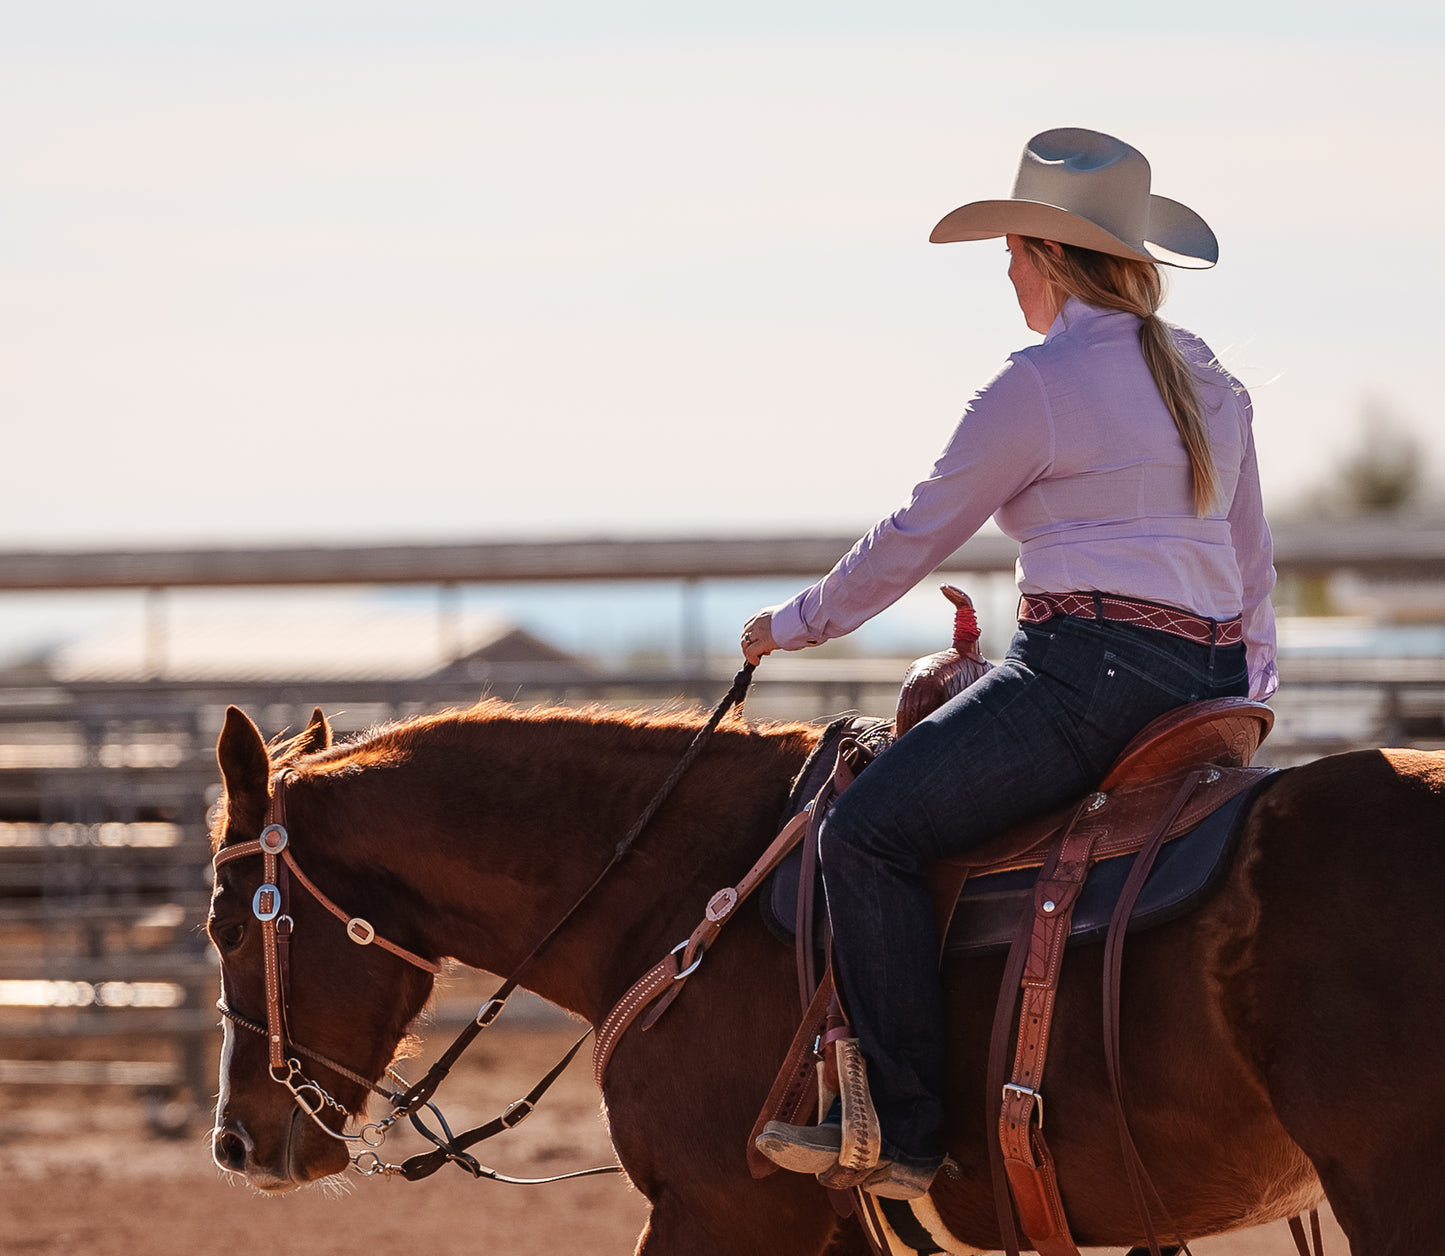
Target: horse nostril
(229, 1149)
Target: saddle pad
(1186, 868)
(778, 900)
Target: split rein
(269, 906)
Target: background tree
(1383, 473)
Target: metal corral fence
(105, 977)
(104, 855)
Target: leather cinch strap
(1021, 1160)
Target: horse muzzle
(295, 1160)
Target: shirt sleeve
(1254, 552)
(1003, 443)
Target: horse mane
(386, 744)
(467, 732)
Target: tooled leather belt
(1035, 608)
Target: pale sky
(381, 271)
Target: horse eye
(228, 937)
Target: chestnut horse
(1283, 1042)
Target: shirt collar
(1074, 312)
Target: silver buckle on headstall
(266, 902)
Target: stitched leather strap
(358, 930)
(1026, 1160)
(269, 905)
(1140, 1183)
(665, 980)
(794, 1093)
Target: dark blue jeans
(1039, 730)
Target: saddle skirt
(980, 895)
(982, 916)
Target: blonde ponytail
(1135, 287)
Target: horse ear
(245, 769)
(317, 735)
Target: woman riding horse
(1119, 454)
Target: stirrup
(862, 1143)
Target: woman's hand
(757, 637)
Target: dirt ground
(81, 1173)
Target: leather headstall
(270, 906)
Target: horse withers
(1285, 1040)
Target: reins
(269, 906)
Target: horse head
(318, 984)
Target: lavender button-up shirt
(1071, 450)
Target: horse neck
(499, 827)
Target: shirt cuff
(1263, 681)
(789, 630)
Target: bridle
(269, 906)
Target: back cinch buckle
(1032, 1094)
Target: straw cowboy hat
(1087, 188)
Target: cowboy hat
(1086, 188)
